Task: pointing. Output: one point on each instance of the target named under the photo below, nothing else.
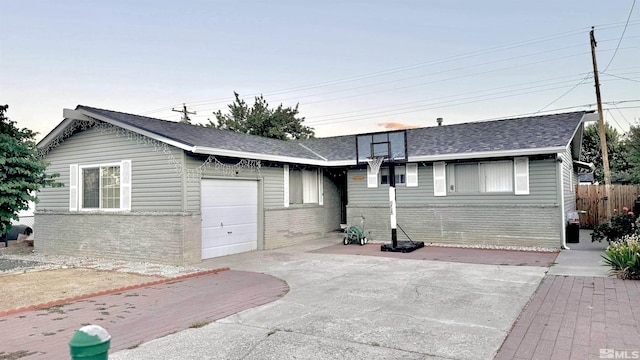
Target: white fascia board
(268, 157)
(140, 131)
(589, 117)
(584, 165)
(487, 154)
(55, 132)
(209, 150)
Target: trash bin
(91, 342)
(636, 207)
(573, 227)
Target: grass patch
(15, 355)
(134, 346)
(199, 324)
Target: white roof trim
(139, 131)
(584, 165)
(592, 116)
(486, 154)
(259, 156)
(85, 115)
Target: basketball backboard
(390, 145)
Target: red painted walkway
(452, 254)
(138, 315)
(575, 317)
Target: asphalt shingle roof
(527, 133)
(193, 135)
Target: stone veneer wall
(168, 238)
(526, 226)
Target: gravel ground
(10, 263)
(13, 264)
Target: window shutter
(412, 175)
(125, 185)
(286, 185)
(320, 187)
(439, 179)
(521, 175)
(73, 187)
(372, 179)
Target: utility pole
(185, 114)
(601, 129)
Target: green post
(91, 342)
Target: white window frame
(481, 183)
(442, 173)
(76, 186)
(317, 198)
(411, 175)
(401, 172)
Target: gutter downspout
(563, 235)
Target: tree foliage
(22, 173)
(592, 152)
(279, 123)
(632, 155)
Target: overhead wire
(621, 36)
(393, 70)
(418, 65)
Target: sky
(351, 66)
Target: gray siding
(528, 226)
(569, 180)
(283, 226)
(542, 183)
(479, 219)
(296, 224)
(270, 176)
(156, 185)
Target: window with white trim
(100, 186)
(480, 177)
(303, 186)
(400, 175)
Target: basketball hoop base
(403, 246)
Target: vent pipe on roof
(439, 120)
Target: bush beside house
(623, 254)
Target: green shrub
(624, 258)
(616, 228)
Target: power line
(621, 36)
(565, 93)
(621, 77)
(403, 68)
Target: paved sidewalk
(574, 317)
(451, 254)
(139, 315)
(578, 311)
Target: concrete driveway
(360, 307)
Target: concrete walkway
(353, 302)
(578, 312)
(360, 307)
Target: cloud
(396, 125)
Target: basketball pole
(392, 203)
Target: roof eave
(205, 150)
(487, 154)
(137, 130)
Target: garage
(229, 216)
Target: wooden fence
(591, 202)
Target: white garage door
(229, 217)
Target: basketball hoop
(374, 164)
